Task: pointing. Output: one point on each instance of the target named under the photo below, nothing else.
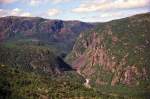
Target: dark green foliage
(18, 84)
(15, 84)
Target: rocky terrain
(114, 56)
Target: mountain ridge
(35, 29)
(115, 55)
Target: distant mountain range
(58, 33)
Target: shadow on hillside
(63, 65)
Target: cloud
(7, 1)
(35, 2)
(106, 5)
(14, 12)
(111, 15)
(38, 2)
(53, 12)
(59, 1)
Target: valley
(56, 59)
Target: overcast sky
(84, 10)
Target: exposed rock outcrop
(115, 53)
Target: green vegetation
(17, 84)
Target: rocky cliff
(115, 54)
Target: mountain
(106, 60)
(37, 44)
(57, 33)
(115, 56)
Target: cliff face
(115, 53)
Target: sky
(83, 10)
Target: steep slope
(115, 56)
(58, 33)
